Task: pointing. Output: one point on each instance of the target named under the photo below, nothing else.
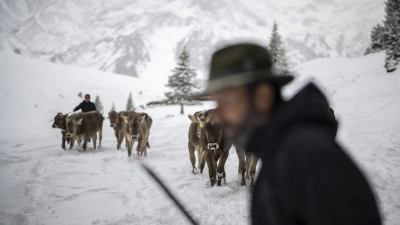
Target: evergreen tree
(277, 51)
(99, 105)
(378, 38)
(181, 82)
(392, 42)
(112, 107)
(129, 104)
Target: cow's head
(133, 122)
(114, 118)
(199, 117)
(59, 121)
(74, 125)
(212, 128)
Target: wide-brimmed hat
(242, 64)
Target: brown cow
(60, 121)
(118, 125)
(83, 126)
(194, 138)
(215, 148)
(137, 128)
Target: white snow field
(42, 184)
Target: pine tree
(392, 42)
(112, 107)
(99, 105)
(181, 82)
(129, 104)
(277, 51)
(378, 39)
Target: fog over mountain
(143, 38)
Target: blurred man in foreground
(306, 178)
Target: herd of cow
(205, 137)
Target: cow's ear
(79, 121)
(59, 113)
(193, 119)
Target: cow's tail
(147, 144)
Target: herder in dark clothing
(86, 105)
(306, 178)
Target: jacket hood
(309, 105)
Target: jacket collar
(309, 105)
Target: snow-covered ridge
(142, 38)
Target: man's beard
(245, 131)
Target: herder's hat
(242, 64)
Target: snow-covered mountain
(143, 38)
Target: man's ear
(79, 121)
(264, 98)
(193, 119)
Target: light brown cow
(117, 124)
(215, 149)
(83, 126)
(137, 128)
(194, 138)
(60, 122)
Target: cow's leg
(192, 157)
(248, 163)
(128, 144)
(71, 145)
(145, 146)
(100, 135)
(138, 148)
(63, 140)
(120, 139)
(202, 160)
(221, 166)
(242, 165)
(94, 140)
(79, 142)
(85, 141)
(252, 170)
(116, 133)
(211, 167)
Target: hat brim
(240, 79)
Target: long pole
(170, 195)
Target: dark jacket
(86, 107)
(306, 178)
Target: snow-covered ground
(42, 184)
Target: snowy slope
(142, 38)
(40, 183)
